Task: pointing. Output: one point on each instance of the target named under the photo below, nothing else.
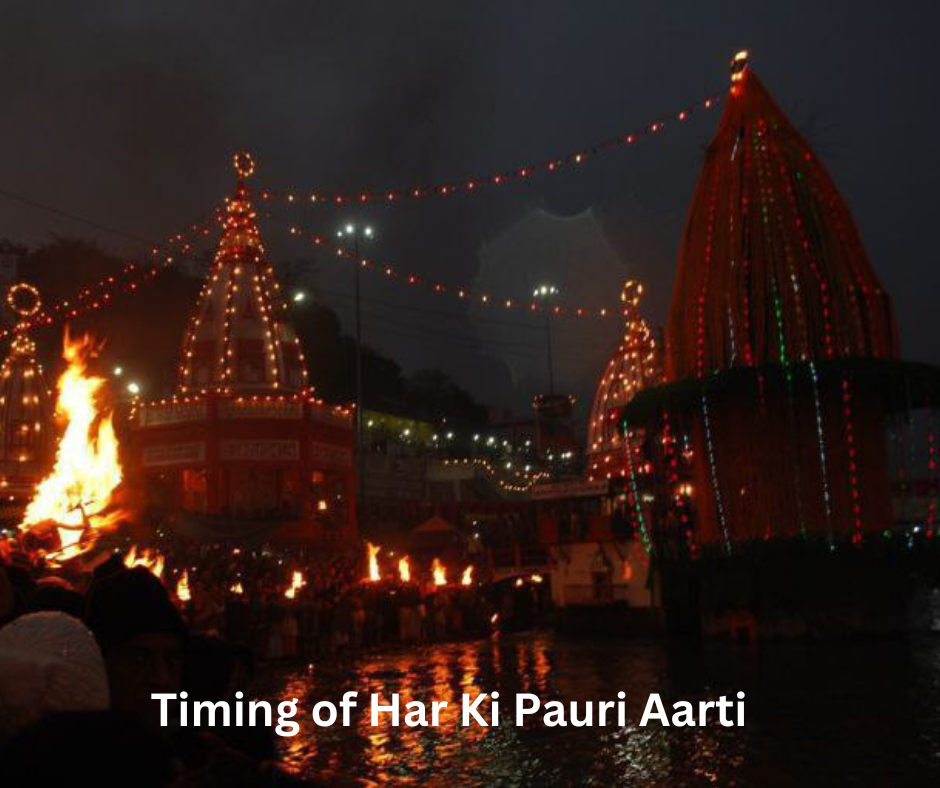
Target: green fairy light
(638, 510)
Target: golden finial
(244, 164)
(739, 65)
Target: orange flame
(467, 578)
(237, 589)
(152, 561)
(76, 497)
(404, 570)
(373, 550)
(296, 583)
(439, 572)
(182, 588)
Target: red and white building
(244, 447)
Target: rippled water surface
(846, 714)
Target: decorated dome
(238, 340)
(771, 266)
(634, 366)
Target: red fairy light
(518, 173)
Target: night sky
(127, 113)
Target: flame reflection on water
(788, 734)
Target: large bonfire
(76, 500)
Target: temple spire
(239, 341)
(635, 365)
(25, 402)
(772, 269)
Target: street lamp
(351, 235)
(546, 294)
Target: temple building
(635, 365)
(244, 446)
(26, 406)
(781, 351)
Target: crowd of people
(81, 654)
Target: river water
(863, 713)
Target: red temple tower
(780, 345)
(244, 445)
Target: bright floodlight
(118, 371)
(368, 232)
(299, 296)
(133, 388)
(350, 229)
(543, 291)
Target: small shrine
(635, 365)
(26, 406)
(244, 445)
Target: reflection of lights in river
(475, 756)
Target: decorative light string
(476, 184)
(95, 297)
(700, 306)
(933, 481)
(821, 441)
(131, 277)
(679, 494)
(853, 464)
(259, 402)
(639, 522)
(797, 463)
(713, 468)
(466, 294)
(524, 480)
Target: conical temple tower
(243, 447)
(239, 340)
(771, 268)
(26, 405)
(635, 365)
(781, 346)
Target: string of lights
(636, 509)
(94, 297)
(129, 279)
(713, 469)
(478, 183)
(465, 294)
(528, 478)
(853, 465)
(820, 438)
(932, 479)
